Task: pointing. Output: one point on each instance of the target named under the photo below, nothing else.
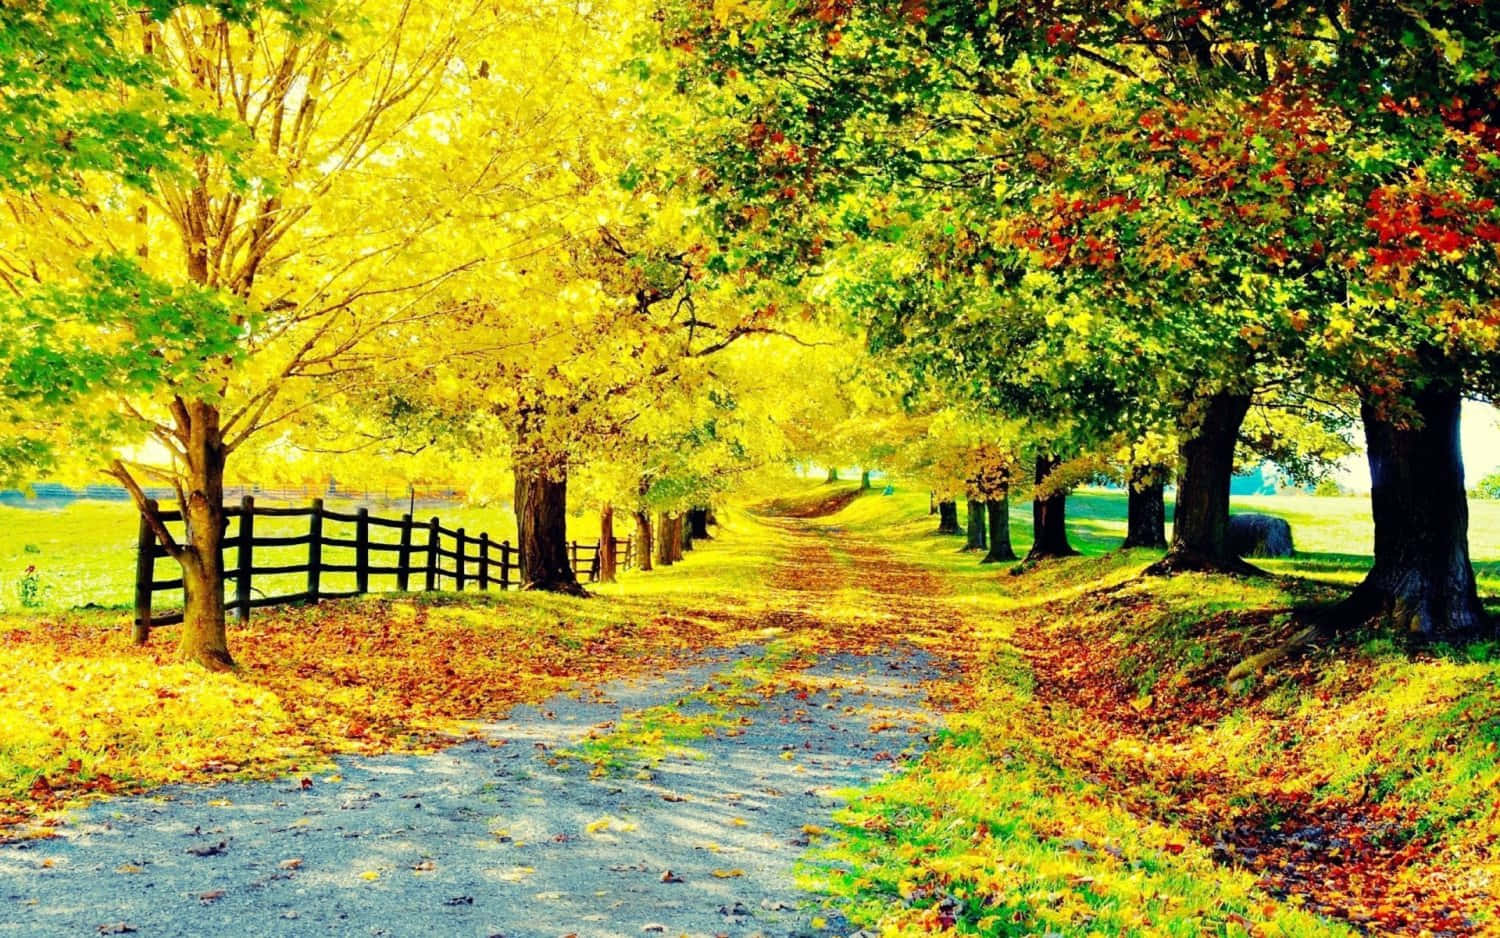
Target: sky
(1480, 432)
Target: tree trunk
(698, 523)
(1049, 524)
(684, 532)
(1421, 581)
(948, 518)
(643, 540)
(932, 507)
(676, 540)
(666, 542)
(833, 475)
(204, 637)
(542, 531)
(864, 480)
(999, 518)
(975, 539)
(607, 560)
(1146, 508)
(1200, 523)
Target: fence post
(505, 565)
(245, 562)
(315, 550)
(484, 561)
(403, 563)
(362, 551)
(573, 557)
(432, 554)
(458, 566)
(145, 572)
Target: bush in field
(1489, 486)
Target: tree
(1310, 201)
(215, 300)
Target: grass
(1334, 535)
(1098, 775)
(83, 552)
(1106, 778)
(83, 712)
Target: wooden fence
(425, 552)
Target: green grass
(1048, 808)
(84, 553)
(1334, 536)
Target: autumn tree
(217, 299)
(1215, 198)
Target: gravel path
(490, 838)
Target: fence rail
(426, 549)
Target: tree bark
(1421, 581)
(676, 540)
(998, 510)
(1146, 508)
(833, 475)
(542, 526)
(1049, 524)
(666, 541)
(607, 560)
(948, 518)
(864, 480)
(204, 637)
(684, 533)
(974, 532)
(643, 540)
(1200, 523)
(698, 523)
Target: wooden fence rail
(435, 553)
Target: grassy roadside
(84, 713)
(1107, 779)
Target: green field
(1334, 535)
(84, 553)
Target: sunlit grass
(1005, 827)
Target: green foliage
(1488, 487)
(78, 100)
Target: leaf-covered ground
(1095, 773)
(1107, 776)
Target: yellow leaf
(369, 875)
(729, 874)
